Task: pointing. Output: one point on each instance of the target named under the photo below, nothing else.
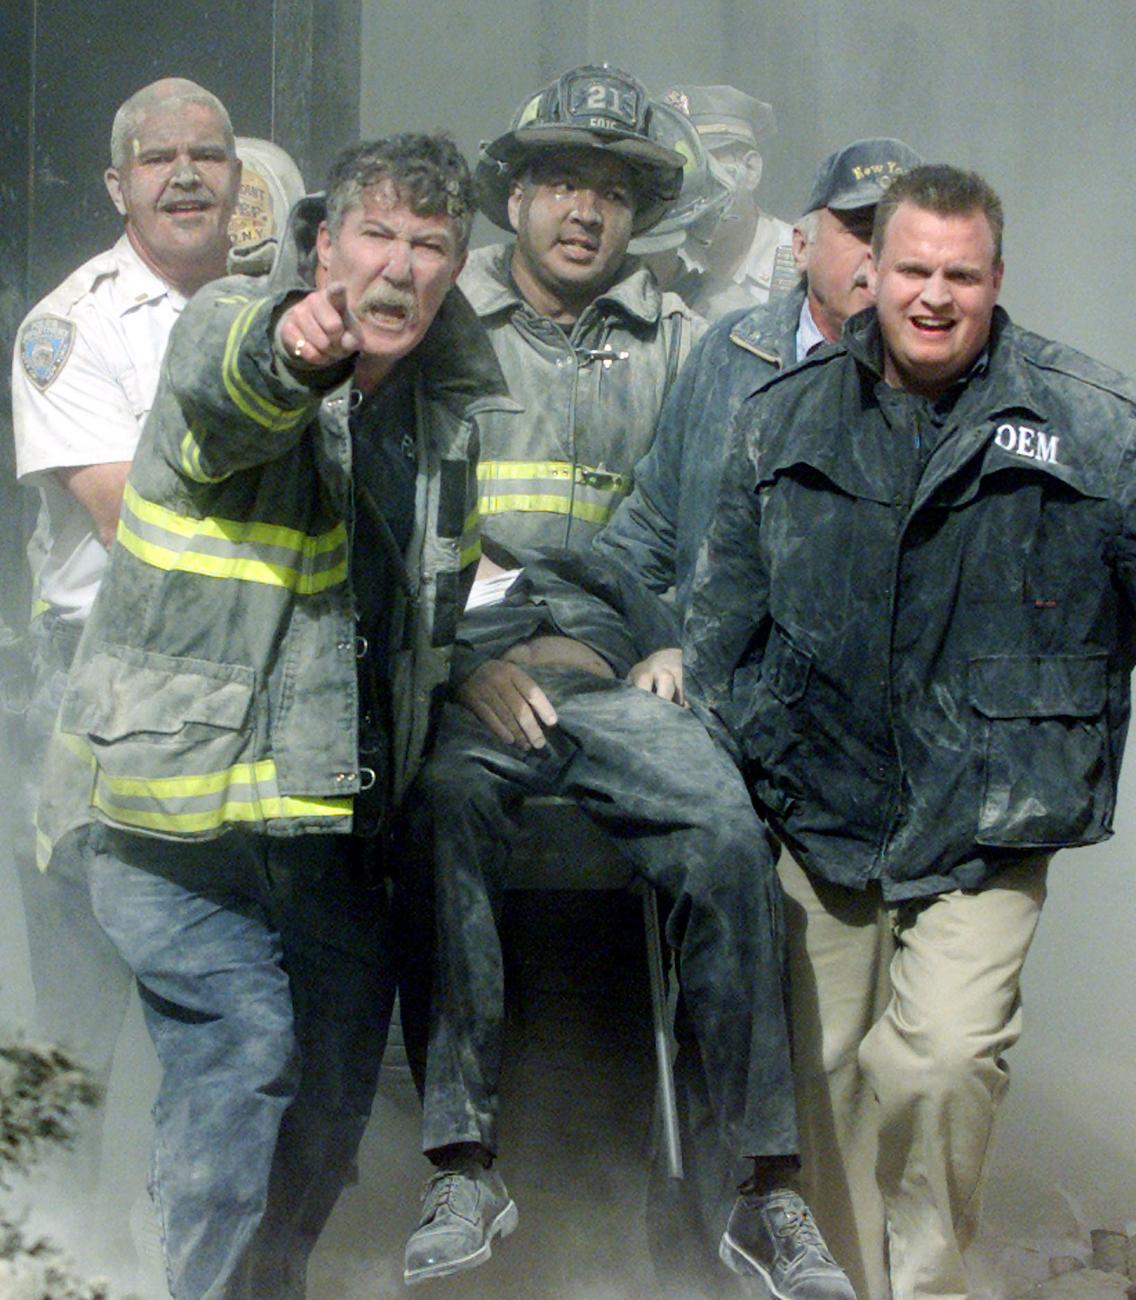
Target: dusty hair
(170, 92)
(428, 173)
(947, 192)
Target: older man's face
(936, 284)
(836, 266)
(178, 189)
(397, 267)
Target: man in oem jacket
(914, 613)
(657, 532)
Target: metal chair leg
(667, 1106)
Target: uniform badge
(679, 100)
(45, 345)
(252, 220)
(785, 274)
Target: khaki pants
(900, 1020)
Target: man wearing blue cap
(657, 532)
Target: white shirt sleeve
(89, 412)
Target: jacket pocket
(1046, 774)
(785, 667)
(152, 716)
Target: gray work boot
(774, 1237)
(464, 1207)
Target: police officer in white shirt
(84, 374)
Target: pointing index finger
(337, 300)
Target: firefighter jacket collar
(489, 286)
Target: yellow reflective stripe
(552, 487)
(601, 479)
(77, 745)
(190, 787)
(232, 544)
(40, 607)
(589, 511)
(245, 792)
(191, 461)
(216, 566)
(226, 814)
(470, 554)
(247, 400)
(469, 547)
(236, 531)
(44, 848)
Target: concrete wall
(1038, 95)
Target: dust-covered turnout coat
(215, 685)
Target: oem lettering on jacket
(1035, 444)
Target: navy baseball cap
(857, 175)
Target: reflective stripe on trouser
(272, 554)
(934, 1060)
(267, 975)
(646, 771)
(551, 487)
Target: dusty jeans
(267, 976)
(647, 772)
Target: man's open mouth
(182, 206)
(388, 315)
(579, 247)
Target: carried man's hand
(509, 702)
(318, 329)
(661, 673)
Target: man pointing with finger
(254, 687)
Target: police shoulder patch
(45, 344)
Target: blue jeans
(647, 772)
(267, 976)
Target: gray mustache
(386, 295)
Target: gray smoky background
(1038, 95)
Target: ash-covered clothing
(646, 772)
(211, 729)
(266, 968)
(658, 529)
(917, 617)
(641, 767)
(216, 683)
(586, 397)
(766, 273)
(84, 374)
(384, 469)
